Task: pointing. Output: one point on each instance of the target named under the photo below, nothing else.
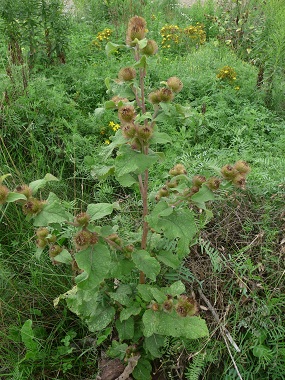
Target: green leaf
(12, 197)
(171, 324)
(145, 292)
(144, 262)
(99, 210)
(4, 176)
(52, 212)
(179, 224)
(96, 263)
(121, 268)
(38, 184)
(123, 294)
(109, 105)
(127, 180)
(158, 294)
(130, 161)
(125, 329)
(160, 138)
(102, 172)
(134, 309)
(117, 350)
(111, 48)
(176, 288)
(142, 43)
(262, 352)
(204, 195)
(141, 64)
(28, 338)
(64, 257)
(153, 344)
(142, 370)
(169, 259)
(101, 318)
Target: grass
(239, 259)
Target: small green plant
(120, 276)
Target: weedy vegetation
(142, 190)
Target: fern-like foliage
(214, 255)
(196, 367)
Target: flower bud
(186, 306)
(151, 48)
(25, 190)
(136, 29)
(82, 219)
(129, 130)
(32, 207)
(229, 172)
(82, 239)
(41, 243)
(55, 250)
(198, 180)
(239, 181)
(167, 305)
(4, 192)
(126, 74)
(175, 84)
(145, 133)
(154, 306)
(171, 184)
(177, 170)
(163, 192)
(166, 95)
(213, 183)
(154, 97)
(242, 167)
(127, 113)
(42, 232)
(117, 99)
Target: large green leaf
(125, 329)
(123, 294)
(130, 161)
(153, 344)
(39, 183)
(169, 259)
(144, 262)
(178, 223)
(142, 370)
(101, 318)
(12, 197)
(96, 263)
(52, 212)
(133, 309)
(28, 337)
(99, 210)
(171, 324)
(202, 196)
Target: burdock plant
(119, 282)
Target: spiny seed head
(115, 238)
(25, 190)
(93, 238)
(127, 74)
(213, 183)
(117, 99)
(175, 84)
(127, 113)
(4, 192)
(239, 181)
(42, 232)
(154, 306)
(129, 130)
(166, 95)
(82, 239)
(136, 29)
(41, 243)
(154, 97)
(194, 190)
(167, 305)
(163, 192)
(242, 167)
(55, 250)
(229, 172)
(198, 180)
(145, 133)
(171, 184)
(82, 219)
(32, 207)
(52, 239)
(186, 306)
(177, 170)
(151, 48)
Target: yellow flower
(237, 88)
(107, 142)
(112, 124)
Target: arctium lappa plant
(120, 288)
